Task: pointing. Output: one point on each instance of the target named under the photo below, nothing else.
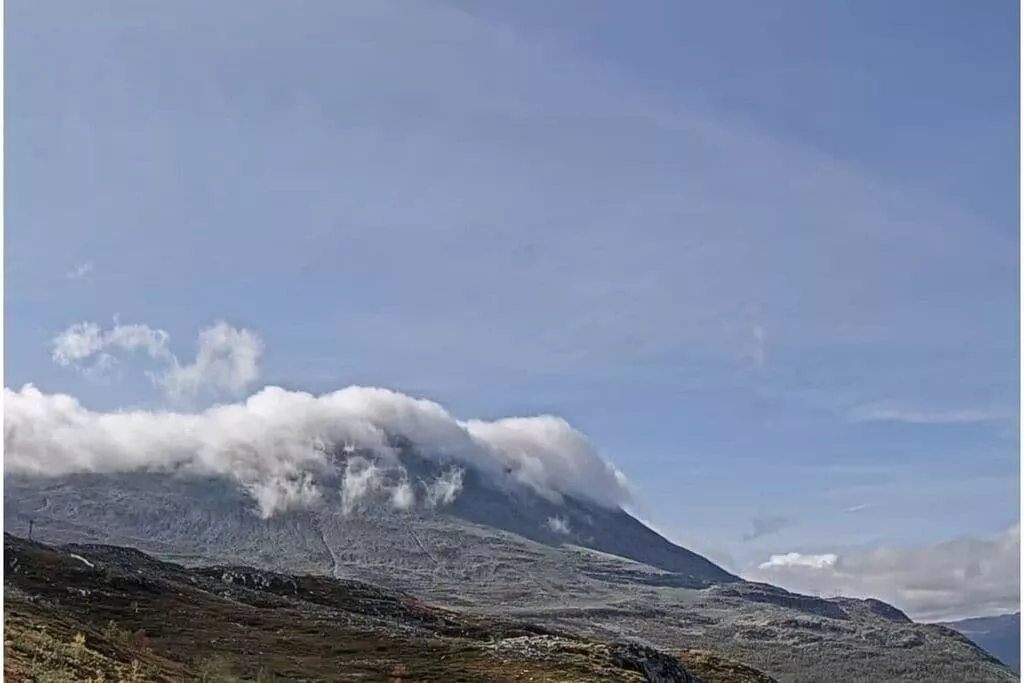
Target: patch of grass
(45, 658)
(712, 668)
(216, 668)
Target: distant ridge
(999, 636)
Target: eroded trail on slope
(327, 546)
(424, 550)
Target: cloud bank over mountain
(282, 448)
(277, 442)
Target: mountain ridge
(998, 635)
(492, 551)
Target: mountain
(999, 636)
(483, 542)
(94, 612)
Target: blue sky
(765, 255)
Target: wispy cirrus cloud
(925, 417)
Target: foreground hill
(94, 612)
(999, 636)
(503, 553)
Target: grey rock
(492, 551)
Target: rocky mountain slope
(92, 612)
(503, 552)
(999, 636)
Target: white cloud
(798, 560)
(227, 358)
(362, 477)
(560, 525)
(445, 488)
(536, 450)
(403, 497)
(367, 481)
(272, 444)
(85, 340)
(80, 271)
(968, 576)
(286, 489)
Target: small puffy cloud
(227, 358)
(286, 490)
(80, 271)
(799, 560)
(560, 525)
(968, 576)
(403, 497)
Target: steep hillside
(110, 613)
(503, 552)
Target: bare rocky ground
(603, 577)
